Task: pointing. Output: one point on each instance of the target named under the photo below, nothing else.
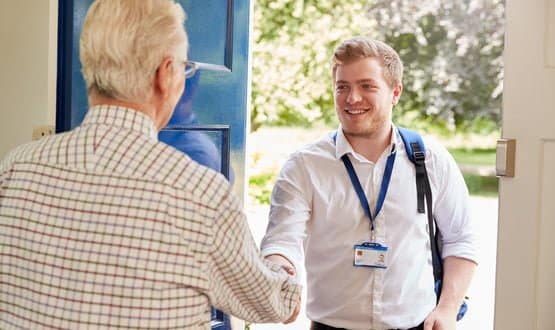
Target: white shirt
(315, 206)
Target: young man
(105, 226)
(316, 216)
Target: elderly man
(104, 226)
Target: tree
(452, 51)
(292, 48)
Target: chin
(358, 133)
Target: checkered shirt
(105, 227)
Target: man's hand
(441, 319)
(456, 279)
(283, 262)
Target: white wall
(28, 39)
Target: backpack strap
(417, 155)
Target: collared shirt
(314, 205)
(105, 227)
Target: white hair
(124, 41)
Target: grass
(478, 185)
(486, 186)
(260, 186)
(473, 156)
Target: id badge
(370, 255)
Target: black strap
(421, 175)
(423, 188)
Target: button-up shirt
(105, 227)
(316, 217)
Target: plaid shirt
(105, 227)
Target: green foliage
(474, 156)
(481, 185)
(293, 45)
(469, 158)
(260, 187)
(452, 51)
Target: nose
(354, 96)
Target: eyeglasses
(190, 69)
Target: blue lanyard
(360, 192)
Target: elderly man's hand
(295, 313)
(290, 269)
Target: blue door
(209, 123)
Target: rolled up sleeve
(452, 211)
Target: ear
(397, 91)
(163, 77)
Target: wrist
(449, 307)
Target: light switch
(42, 131)
(505, 158)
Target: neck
(145, 108)
(371, 146)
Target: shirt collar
(126, 118)
(342, 145)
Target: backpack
(417, 155)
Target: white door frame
(525, 285)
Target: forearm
(263, 293)
(457, 275)
(241, 282)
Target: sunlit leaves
(452, 52)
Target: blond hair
(124, 41)
(357, 48)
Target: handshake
(286, 265)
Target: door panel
(217, 95)
(209, 122)
(212, 43)
(546, 257)
(526, 252)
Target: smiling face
(363, 98)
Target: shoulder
(29, 151)
(437, 154)
(323, 148)
(438, 159)
(442, 168)
(186, 180)
(434, 147)
(311, 158)
(177, 169)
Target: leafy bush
(260, 187)
(452, 51)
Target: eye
(369, 86)
(341, 88)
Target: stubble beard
(368, 130)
